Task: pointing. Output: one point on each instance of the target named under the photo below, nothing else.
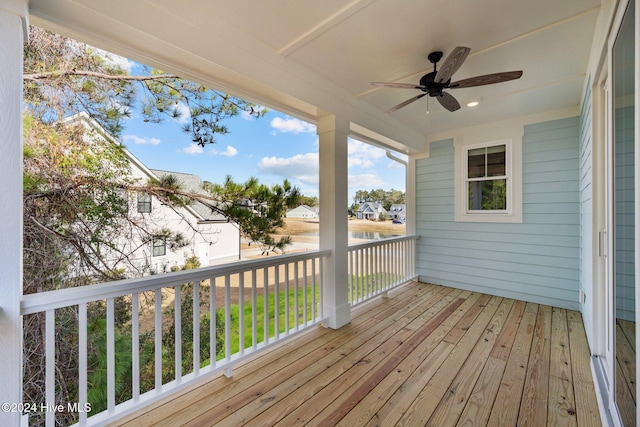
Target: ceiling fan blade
(397, 85)
(451, 64)
(404, 104)
(448, 102)
(487, 79)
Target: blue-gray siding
(537, 260)
(586, 213)
(624, 214)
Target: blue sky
(271, 148)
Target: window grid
(159, 246)
(144, 202)
(486, 178)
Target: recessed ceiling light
(473, 103)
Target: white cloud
(144, 140)
(192, 149)
(247, 116)
(292, 125)
(185, 113)
(361, 149)
(363, 155)
(303, 167)
(361, 163)
(228, 152)
(244, 115)
(116, 60)
(365, 180)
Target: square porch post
(333, 133)
(13, 27)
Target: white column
(333, 133)
(410, 195)
(13, 19)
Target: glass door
(622, 221)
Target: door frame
(603, 328)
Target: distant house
(398, 211)
(304, 212)
(209, 235)
(370, 210)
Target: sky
(270, 148)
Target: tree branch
(94, 74)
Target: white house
(210, 235)
(217, 239)
(303, 212)
(370, 210)
(397, 211)
(556, 150)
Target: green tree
(63, 77)
(361, 196)
(353, 209)
(77, 190)
(386, 197)
(76, 216)
(257, 208)
(76, 210)
(377, 195)
(310, 201)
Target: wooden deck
(427, 355)
(626, 371)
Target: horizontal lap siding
(537, 260)
(624, 216)
(586, 213)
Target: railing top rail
(34, 303)
(381, 242)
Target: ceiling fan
(434, 83)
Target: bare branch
(104, 76)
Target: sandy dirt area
(294, 227)
(301, 230)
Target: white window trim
(513, 158)
(154, 246)
(145, 199)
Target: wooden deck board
(535, 396)
(450, 409)
(510, 389)
(426, 355)
(561, 399)
(335, 376)
(584, 389)
(625, 370)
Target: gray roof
(193, 184)
(309, 208)
(371, 207)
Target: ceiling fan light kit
(435, 82)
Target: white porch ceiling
(310, 58)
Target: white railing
(378, 266)
(181, 326)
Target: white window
(159, 246)
(488, 181)
(144, 202)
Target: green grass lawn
(373, 282)
(281, 299)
